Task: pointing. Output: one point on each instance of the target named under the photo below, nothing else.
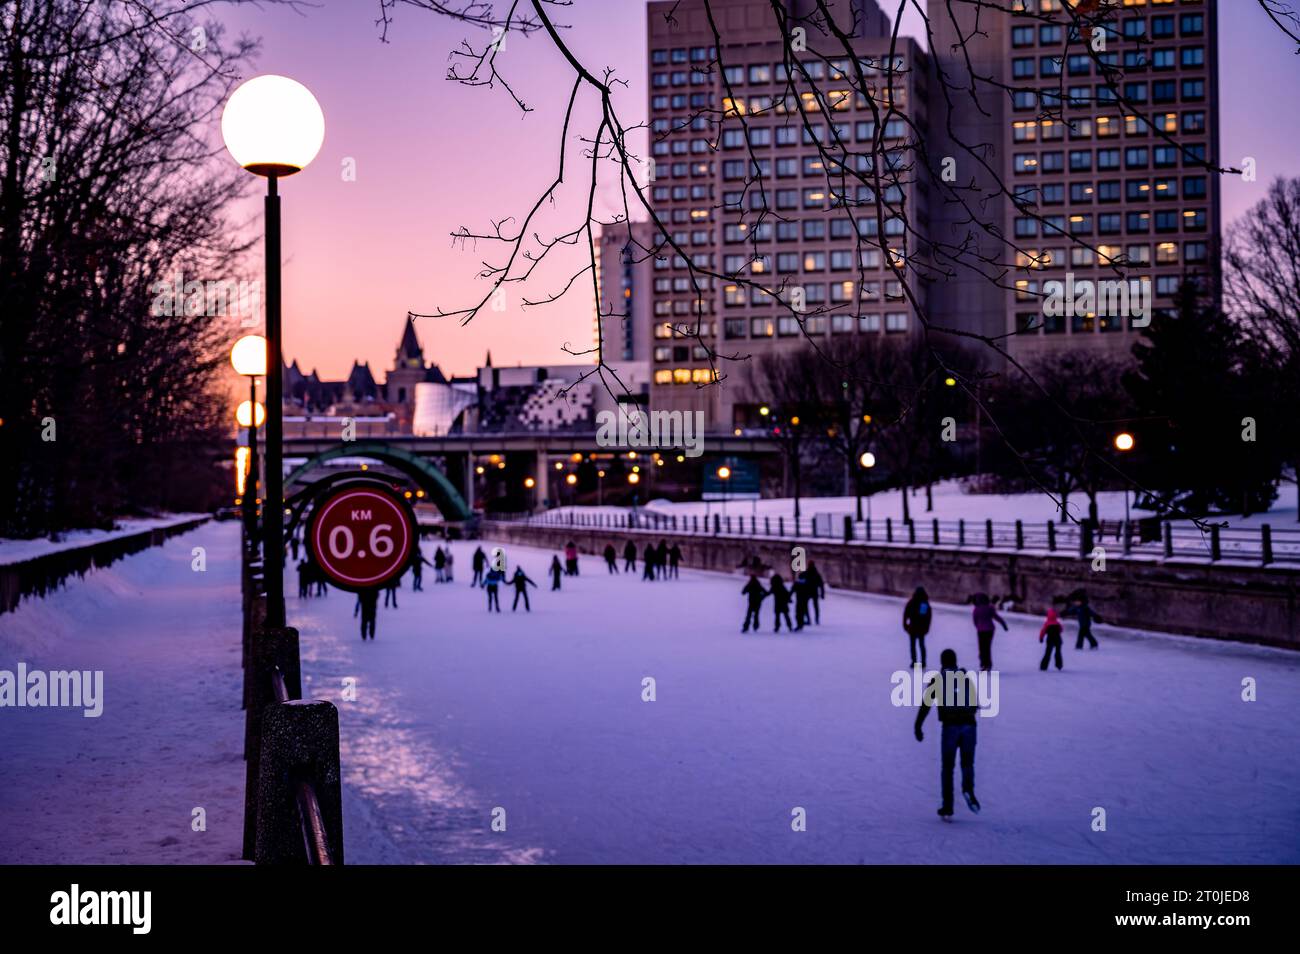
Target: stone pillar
(299, 745)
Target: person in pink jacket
(1051, 632)
(985, 615)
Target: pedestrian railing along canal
(292, 796)
(1147, 538)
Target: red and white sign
(362, 537)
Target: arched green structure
(430, 479)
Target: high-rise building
(624, 279)
(715, 108)
(1101, 135)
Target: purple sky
(432, 156)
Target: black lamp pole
(250, 486)
(273, 501)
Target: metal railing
(1146, 538)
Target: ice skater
(369, 603)
(629, 557)
(1051, 632)
(571, 558)
(817, 591)
(917, 617)
(418, 563)
(1086, 616)
(477, 563)
(491, 581)
(439, 566)
(450, 561)
(754, 595)
(390, 592)
(304, 587)
(674, 559)
(954, 693)
(648, 563)
(611, 558)
(802, 596)
(556, 572)
(521, 582)
(985, 615)
(780, 604)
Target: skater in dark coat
(985, 615)
(390, 592)
(557, 571)
(304, 588)
(571, 558)
(953, 692)
(755, 594)
(674, 558)
(369, 600)
(1086, 616)
(491, 581)
(780, 603)
(817, 591)
(917, 616)
(418, 563)
(521, 582)
(802, 591)
(648, 563)
(629, 557)
(477, 563)
(661, 559)
(1051, 631)
(611, 558)
(439, 565)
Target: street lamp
(248, 356)
(1124, 443)
(868, 461)
(724, 475)
(273, 127)
(250, 414)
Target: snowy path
(120, 789)
(458, 713)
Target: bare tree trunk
(929, 498)
(907, 511)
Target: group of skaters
(918, 616)
(806, 591)
(443, 564)
(658, 562)
(949, 690)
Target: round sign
(361, 536)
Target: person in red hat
(1051, 634)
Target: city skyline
(395, 208)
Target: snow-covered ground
(16, 551)
(121, 788)
(458, 713)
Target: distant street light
(1124, 443)
(530, 483)
(724, 472)
(867, 460)
(248, 356)
(246, 418)
(273, 127)
(634, 478)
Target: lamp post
(249, 359)
(1124, 443)
(273, 127)
(867, 460)
(724, 475)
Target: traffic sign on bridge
(362, 535)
